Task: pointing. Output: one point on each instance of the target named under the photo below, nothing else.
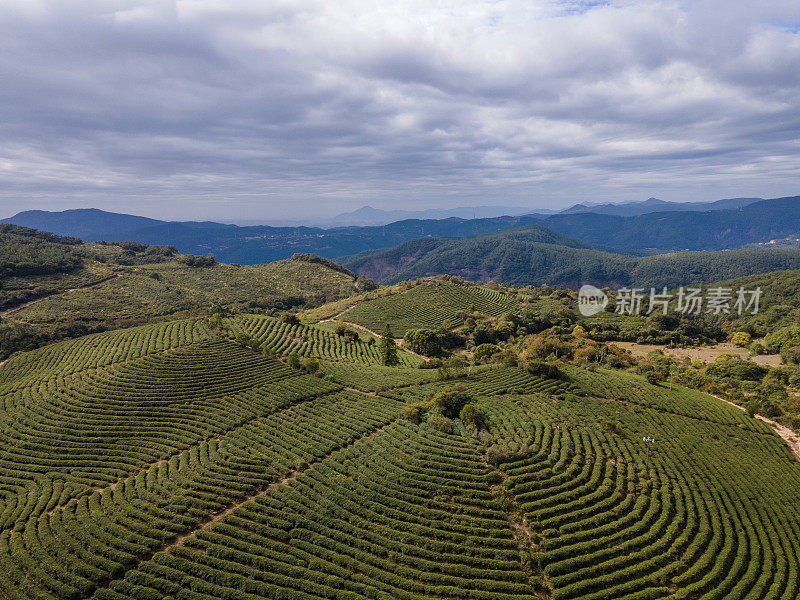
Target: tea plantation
(429, 305)
(169, 462)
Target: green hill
(433, 304)
(166, 461)
(53, 287)
(521, 257)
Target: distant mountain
(632, 209)
(667, 231)
(254, 244)
(369, 216)
(533, 256)
(754, 223)
(476, 258)
(90, 224)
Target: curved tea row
(405, 514)
(198, 469)
(86, 545)
(305, 340)
(697, 513)
(428, 305)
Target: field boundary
(790, 437)
(9, 311)
(217, 516)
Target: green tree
(654, 377)
(450, 402)
(424, 341)
(293, 360)
(741, 339)
(484, 352)
(290, 319)
(389, 348)
(469, 414)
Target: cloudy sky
(258, 109)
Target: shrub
(543, 369)
(484, 352)
(192, 260)
(365, 284)
(791, 356)
(413, 413)
(441, 423)
(741, 339)
(496, 455)
(781, 338)
(450, 402)
(424, 341)
(293, 360)
(654, 377)
(469, 414)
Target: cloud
(245, 109)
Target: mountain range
(368, 216)
(720, 225)
(633, 209)
(534, 255)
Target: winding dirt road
(789, 436)
(9, 311)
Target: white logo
(591, 300)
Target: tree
(450, 402)
(791, 355)
(543, 369)
(424, 341)
(484, 352)
(654, 377)
(469, 414)
(389, 348)
(293, 360)
(290, 319)
(741, 339)
(365, 284)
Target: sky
(255, 110)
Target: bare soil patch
(706, 354)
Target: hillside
(528, 256)
(166, 461)
(60, 287)
(432, 304)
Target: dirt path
(10, 311)
(398, 341)
(789, 436)
(291, 476)
(339, 316)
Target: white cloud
(334, 103)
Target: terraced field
(428, 305)
(167, 462)
(309, 340)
